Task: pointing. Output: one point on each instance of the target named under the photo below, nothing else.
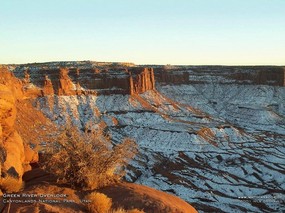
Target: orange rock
(1, 139)
(31, 156)
(141, 82)
(66, 87)
(78, 89)
(48, 87)
(10, 91)
(7, 106)
(15, 85)
(131, 195)
(15, 153)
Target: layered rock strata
(73, 81)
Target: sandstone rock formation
(66, 86)
(11, 142)
(116, 81)
(124, 196)
(10, 139)
(141, 81)
(48, 87)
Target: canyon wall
(74, 81)
(172, 76)
(110, 78)
(246, 75)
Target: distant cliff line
(87, 78)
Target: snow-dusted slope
(216, 139)
(202, 158)
(247, 173)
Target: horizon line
(139, 64)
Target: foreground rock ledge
(124, 195)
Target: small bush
(87, 160)
(99, 203)
(10, 184)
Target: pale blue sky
(144, 31)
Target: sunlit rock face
(141, 80)
(211, 135)
(12, 153)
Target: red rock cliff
(142, 81)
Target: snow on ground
(219, 147)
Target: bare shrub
(87, 160)
(99, 203)
(10, 184)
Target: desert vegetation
(100, 203)
(87, 159)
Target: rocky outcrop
(48, 88)
(141, 81)
(126, 196)
(66, 87)
(11, 143)
(8, 79)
